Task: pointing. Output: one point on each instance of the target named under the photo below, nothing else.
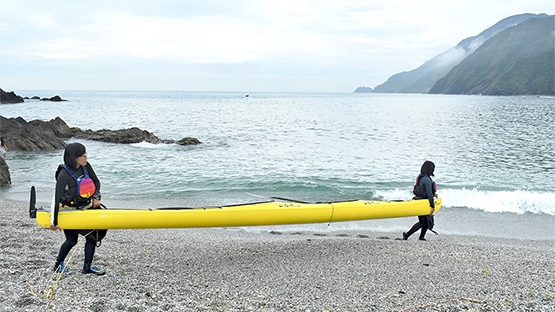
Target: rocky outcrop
(33, 136)
(188, 141)
(131, 135)
(124, 136)
(10, 97)
(37, 135)
(55, 98)
(41, 135)
(5, 179)
(364, 90)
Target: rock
(189, 141)
(40, 135)
(55, 98)
(10, 97)
(61, 129)
(33, 136)
(364, 90)
(131, 135)
(5, 179)
(184, 141)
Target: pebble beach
(238, 270)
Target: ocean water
(494, 156)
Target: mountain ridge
(423, 78)
(513, 62)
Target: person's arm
(430, 193)
(61, 183)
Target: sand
(238, 270)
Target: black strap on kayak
(332, 212)
(291, 200)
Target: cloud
(340, 44)
(451, 57)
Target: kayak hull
(257, 214)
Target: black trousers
(421, 225)
(71, 240)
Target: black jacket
(66, 187)
(425, 189)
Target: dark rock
(40, 135)
(184, 141)
(36, 97)
(5, 179)
(189, 141)
(33, 136)
(10, 97)
(61, 129)
(131, 135)
(55, 98)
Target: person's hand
(432, 211)
(436, 195)
(95, 203)
(55, 227)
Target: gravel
(238, 270)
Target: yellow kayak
(255, 214)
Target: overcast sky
(226, 45)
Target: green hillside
(517, 61)
(421, 79)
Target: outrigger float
(275, 212)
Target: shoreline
(238, 270)
(450, 221)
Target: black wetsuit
(66, 187)
(425, 189)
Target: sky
(226, 45)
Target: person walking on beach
(77, 187)
(424, 188)
(3, 147)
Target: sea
(494, 155)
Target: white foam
(518, 201)
(145, 144)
